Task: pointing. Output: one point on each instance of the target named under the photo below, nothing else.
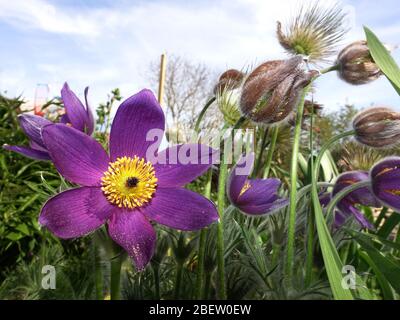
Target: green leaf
(389, 225)
(389, 268)
(383, 59)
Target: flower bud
(356, 65)
(377, 127)
(272, 90)
(229, 80)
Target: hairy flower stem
(310, 220)
(156, 275)
(271, 149)
(223, 169)
(115, 281)
(98, 275)
(261, 153)
(340, 195)
(331, 257)
(202, 246)
(329, 69)
(178, 280)
(293, 186)
(202, 113)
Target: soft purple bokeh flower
(76, 115)
(347, 206)
(253, 196)
(124, 189)
(385, 180)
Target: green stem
(202, 113)
(332, 261)
(293, 186)
(271, 149)
(156, 281)
(261, 153)
(98, 275)
(178, 280)
(344, 192)
(329, 69)
(202, 246)
(115, 282)
(223, 168)
(310, 220)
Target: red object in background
(41, 96)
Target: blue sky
(107, 44)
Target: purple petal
(385, 176)
(76, 212)
(263, 208)
(347, 209)
(74, 108)
(78, 157)
(131, 230)
(180, 209)
(363, 195)
(89, 118)
(179, 165)
(28, 152)
(32, 126)
(135, 118)
(260, 191)
(238, 176)
(64, 119)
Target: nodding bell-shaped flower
(356, 65)
(347, 206)
(272, 90)
(229, 80)
(227, 93)
(377, 127)
(385, 180)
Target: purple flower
(253, 196)
(124, 189)
(347, 206)
(77, 116)
(385, 180)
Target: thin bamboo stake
(162, 78)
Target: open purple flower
(253, 196)
(76, 115)
(124, 189)
(347, 206)
(385, 180)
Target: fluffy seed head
(356, 65)
(377, 127)
(314, 32)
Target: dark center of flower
(132, 182)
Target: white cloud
(112, 47)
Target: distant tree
(188, 86)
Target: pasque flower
(385, 180)
(362, 196)
(271, 91)
(377, 127)
(356, 65)
(125, 189)
(253, 196)
(76, 115)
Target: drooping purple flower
(362, 196)
(125, 189)
(385, 180)
(76, 115)
(253, 196)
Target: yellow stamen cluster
(245, 187)
(129, 182)
(394, 192)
